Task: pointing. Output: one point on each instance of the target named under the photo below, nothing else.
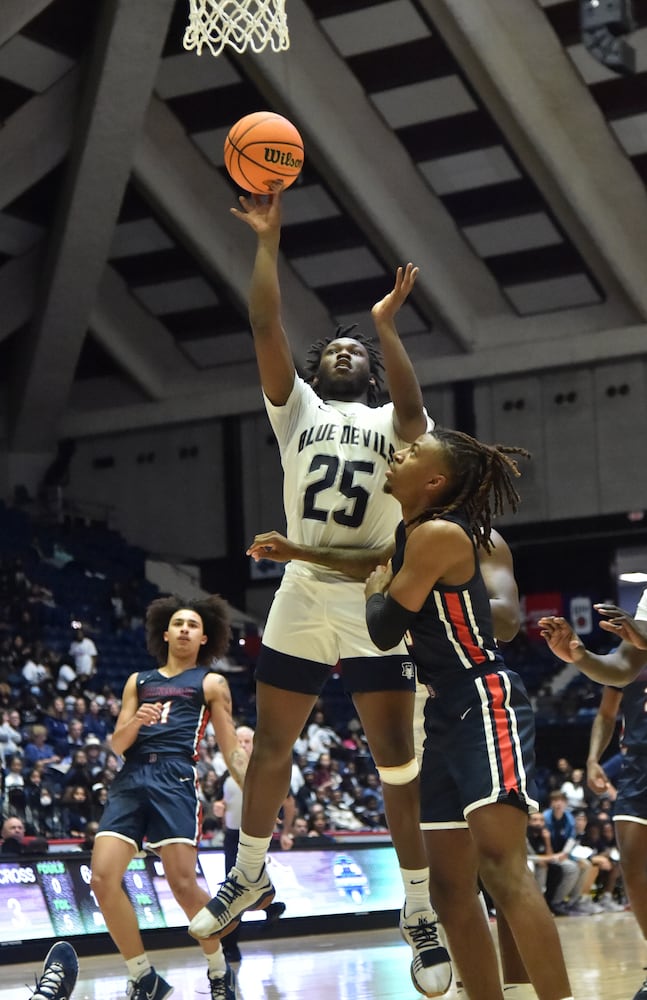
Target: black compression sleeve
(387, 621)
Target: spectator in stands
(42, 811)
(10, 735)
(94, 722)
(99, 799)
(65, 675)
(605, 859)
(563, 769)
(14, 841)
(300, 832)
(14, 777)
(79, 772)
(321, 737)
(369, 812)
(340, 815)
(35, 673)
(307, 794)
(84, 653)
(561, 828)
(56, 723)
(111, 768)
(95, 755)
(374, 788)
(75, 740)
(574, 790)
(77, 810)
(323, 774)
(37, 750)
(319, 826)
(209, 790)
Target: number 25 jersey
(335, 454)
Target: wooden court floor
(605, 955)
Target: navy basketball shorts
(313, 625)
(155, 801)
(479, 749)
(631, 801)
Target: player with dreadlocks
(477, 778)
(335, 449)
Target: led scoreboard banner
(51, 897)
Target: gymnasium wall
(583, 426)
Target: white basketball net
(242, 24)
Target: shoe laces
(49, 984)
(136, 988)
(218, 986)
(230, 890)
(424, 934)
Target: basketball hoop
(239, 23)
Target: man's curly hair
(376, 367)
(215, 615)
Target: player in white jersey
(335, 449)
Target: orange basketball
(261, 148)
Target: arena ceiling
(478, 139)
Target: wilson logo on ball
(262, 148)
(285, 159)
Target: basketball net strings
(216, 23)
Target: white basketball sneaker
(431, 970)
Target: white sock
(138, 967)
(250, 858)
(416, 890)
(216, 963)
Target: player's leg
(499, 833)
(111, 856)
(453, 865)
(179, 867)
(632, 841)
(387, 720)
(281, 716)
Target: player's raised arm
(273, 353)
(410, 420)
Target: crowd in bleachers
(71, 632)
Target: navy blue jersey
(185, 713)
(452, 633)
(634, 710)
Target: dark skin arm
(602, 731)
(496, 567)
(619, 667)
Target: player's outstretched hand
(620, 623)
(386, 308)
(272, 545)
(562, 639)
(262, 213)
